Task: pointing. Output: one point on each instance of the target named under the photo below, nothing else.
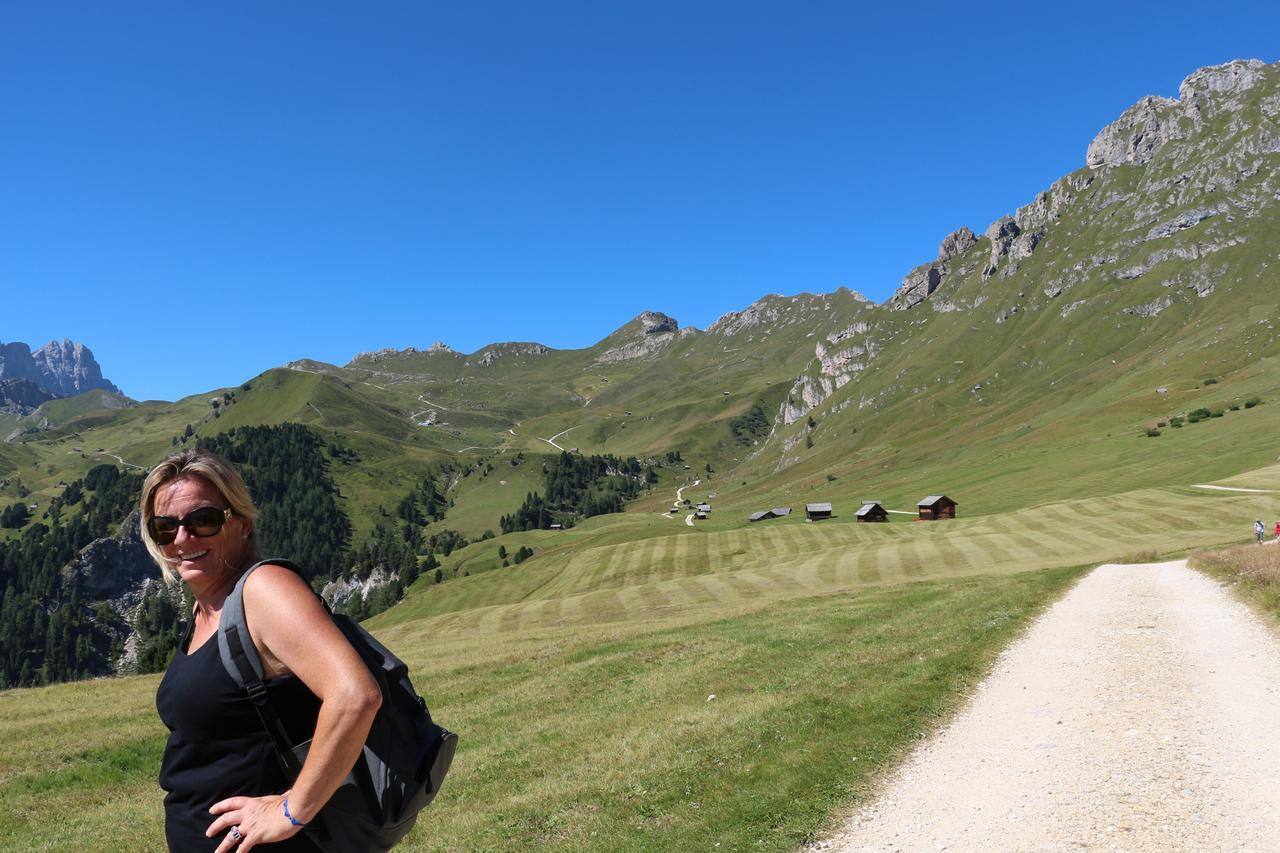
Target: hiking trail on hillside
(1140, 712)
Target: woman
(225, 789)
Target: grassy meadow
(581, 681)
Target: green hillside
(1068, 377)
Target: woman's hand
(258, 820)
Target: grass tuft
(1253, 570)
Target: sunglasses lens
(163, 529)
(205, 521)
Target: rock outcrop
(62, 369)
(339, 592)
(493, 352)
(21, 396)
(1144, 128)
(645, 336)
(925, 279)
(114, 567)
(118, 570)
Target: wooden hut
(817, 511)
(872, 511)
(935, 507)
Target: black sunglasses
(205, 521)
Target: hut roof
(818, 507)
(756, 516)
(780, 511)
(933, 499)
(868, 506)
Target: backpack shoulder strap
(241, 661)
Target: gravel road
(1140, 712)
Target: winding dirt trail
(1140, 712)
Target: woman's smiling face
(203, 562)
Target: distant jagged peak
(374, 355)
(656, 323)
(1144, 128)
(63, 369)
(439, 347)
(773, 308)
(648, 334)
(644, 324)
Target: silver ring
(235, 833)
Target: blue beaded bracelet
(291, 818)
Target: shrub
(1235, 407)
(831, 478)
(1177, 425)
(1217, 413)
(1148, 556)
(1162, 424)
(1211, 381)
(1152, 433)
(1176, 420)
(1252, 401)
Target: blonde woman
(224, 788)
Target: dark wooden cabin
(872, 511)
(817, 511)
(935, 507)
(776, 512)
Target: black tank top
(217, 747)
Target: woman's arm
(294, 634)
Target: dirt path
(1140, 712)
(1230, 488)
(552, 441)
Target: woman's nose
(183, 535)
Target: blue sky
(200, 192)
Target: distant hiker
(1259, 530)
(1278, 531)
(224, 786)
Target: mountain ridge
(62, 369)
(1117, 301)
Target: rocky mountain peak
(62, 369)
(656, 332)
(1144, 128)
(656, 323)
(924, 279)
(491, 353)
(956, 243)
(1235, 76)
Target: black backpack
(406, 755)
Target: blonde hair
(215, 470)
